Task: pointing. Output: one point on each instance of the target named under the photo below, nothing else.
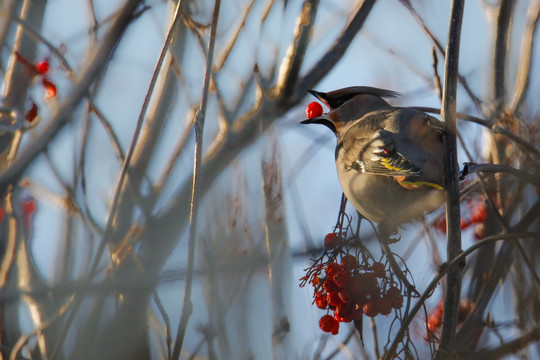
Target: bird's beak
(323, 120)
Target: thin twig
(187, 306)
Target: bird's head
(348, 105)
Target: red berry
(313, 110)
(370, 308)
(378, 269)
(394, 295)
(384, 306)
(327, 323)
(342, 278)
(440, 224)
(2, 214)
(332, 268)
(321, 301)
(335, 330)
(32, 113)
(50, 88)
(343, 318)
(343, 310)
(331, 240)
(480, 214)
(28, 207)
(480, 231)
(330, 286)
(345, 296)
(333, 299)
(42, 67)
(349, 262)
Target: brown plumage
(389, 159)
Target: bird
(389, 160)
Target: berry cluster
(349, 286)
(476, 214)
(434, 321)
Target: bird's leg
(384, 239)
(387, 232)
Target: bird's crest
(334, 99)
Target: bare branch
(506, 8)
(507, 348)
(451, 182)
(334, 54)
(521, 86)
(94, 65)
(290, 65)
(490, 125)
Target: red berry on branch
(321, 301)
(313, 110)
(370, 308)
(378, 269)
(32, 113)
(332, 268)
(330, 286)
(42, 67)
(480, 214)
(384, 306)
(333, 299)
(50, 88)
(331, 240)
(349, 262)
(327, 323)
(342, 278)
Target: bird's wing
(377, 155)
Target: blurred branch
(9, 9)
(222, 58)
(490, 125)
(503, 261)
(521, 86)
(291, 63)
(187, 306)
(462, 80)
(443, 270)
(507, 348)
(277, 249)
(336, 51)
(94, 65)
(451, 184)
(506, 8)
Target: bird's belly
(381, 198)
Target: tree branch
(187, 307)
(334, 54)
(451, 181)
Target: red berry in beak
(313, 110)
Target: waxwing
(389, 159)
